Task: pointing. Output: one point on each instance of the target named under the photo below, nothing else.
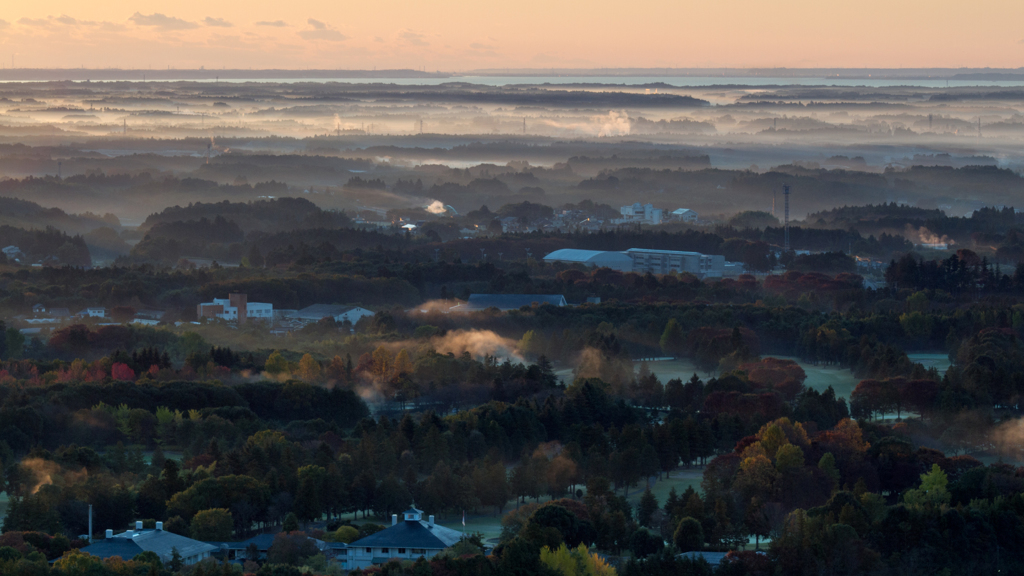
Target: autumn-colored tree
(121, 371)
(403, 363)
(383, 363)
(309, 369)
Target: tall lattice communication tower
(785, 192)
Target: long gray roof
(162, 543)
(583, 256)
(411, 534)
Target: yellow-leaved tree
(309, 369)
(575, 562)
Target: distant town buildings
(637, 212)
(235, 308)
(648, 214)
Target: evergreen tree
(647, 507)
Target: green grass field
(938, 361)
(818, 377)
(678, 479)
(821, 377)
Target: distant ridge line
(137, 75)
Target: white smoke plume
(479, 343)
(923, 235)
(436, 207)
(615, 123)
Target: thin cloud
(4, 24)
(332, 35)
(63, 19)
(219, 22)
(161, 21)
(321, 31)
(275, 23)
(479, 46)
(414, 38)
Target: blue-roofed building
(505, 302)
(615, 260)
(409, 539)
(131, 543)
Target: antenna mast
(785, 192)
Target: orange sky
(454, 35)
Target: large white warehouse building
(642, 260)
(615, 260)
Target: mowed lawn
(679, 479)
(489, 524)
(818, 377)
(938, 361)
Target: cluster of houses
(56, 315)
(409, 539)
(580, 220)
(648, 214)
(236, 309)
(565, 220)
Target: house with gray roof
(505, 302)
(131, 543)
(409, 539)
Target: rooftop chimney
(109, 533)
(394, 519)
(431, 519)
(138, 524)
(159, 525)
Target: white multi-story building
(666, 261)
(235, 308)
(645, 213)
(643, 260)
